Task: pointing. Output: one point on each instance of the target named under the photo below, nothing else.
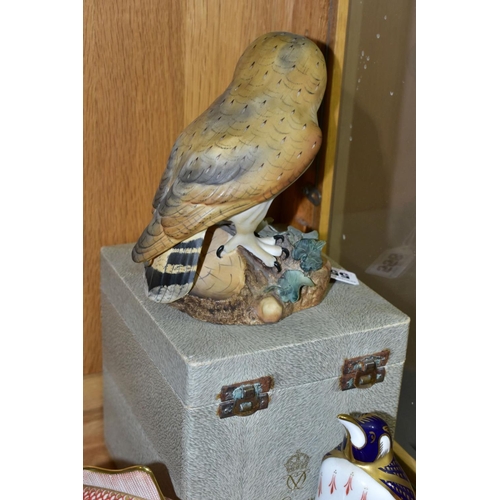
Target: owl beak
(356, 433)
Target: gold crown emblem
(297, 462)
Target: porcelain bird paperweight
(227, 167)
(363, 466)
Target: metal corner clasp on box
(364, 371)
(245, 398)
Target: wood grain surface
(150, 68)
(331, 109)
(95, 452)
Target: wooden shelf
(95, 452)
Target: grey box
(164, 371)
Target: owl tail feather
(171, 275)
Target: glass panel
(372, 225)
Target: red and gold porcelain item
(133, 483)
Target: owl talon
(279, 237)
(286, 252)
(219, 251)
(277, 265)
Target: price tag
(392, 263)
(344, 276)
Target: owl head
(368, 436)
(284, 65)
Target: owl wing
(226, 171)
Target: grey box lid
(198, 358)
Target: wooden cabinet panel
(150, 68)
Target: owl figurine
(363, 466)
(229, 164)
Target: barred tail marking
(172, 274)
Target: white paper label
(392, 263)
(344, 276)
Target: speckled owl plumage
(363, 466)
(253, 142)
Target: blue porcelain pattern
(363, 467)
